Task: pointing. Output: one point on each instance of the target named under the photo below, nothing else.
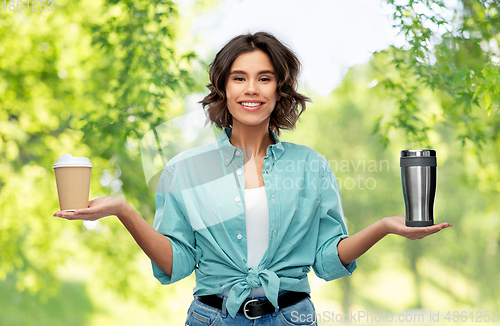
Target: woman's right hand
(98, 208)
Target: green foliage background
(91, 78)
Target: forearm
(349, 249)
(156, 246)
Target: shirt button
(239, 236)
(267, 172)
(237, 199)
(238, 172)
(274, 233)
(237, 153)
(272, 197)
(227, 161)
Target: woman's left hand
(397, 225)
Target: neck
(255, 139)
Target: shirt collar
(276, 149)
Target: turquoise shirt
(200, 207)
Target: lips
(251, 105)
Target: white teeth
(251, 104)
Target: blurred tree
(88, 78)
(453, 49)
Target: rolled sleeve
(180, 266)
(332, 229)
(171, 222)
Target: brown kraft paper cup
(73, 187)
(73, 182)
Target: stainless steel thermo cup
(418, 177)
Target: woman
(250, 214)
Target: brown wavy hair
(286, 69)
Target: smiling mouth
(251, 104)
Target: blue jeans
(301, 313)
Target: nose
(251, 88)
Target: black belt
(253, 309)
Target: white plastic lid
(67, 160)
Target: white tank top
(257, 224)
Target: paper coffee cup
(73, 181)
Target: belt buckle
(245, 310)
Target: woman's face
(251, 89)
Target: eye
(265, 79)
(239, 78)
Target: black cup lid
(418, 157)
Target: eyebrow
(241, 72)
